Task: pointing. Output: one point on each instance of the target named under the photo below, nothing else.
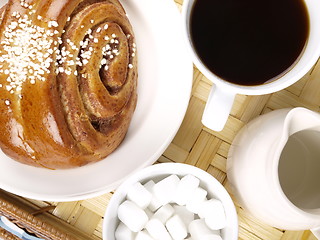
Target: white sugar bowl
(144, 218)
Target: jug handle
(316, 232)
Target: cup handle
(218, 108)
(316, 232)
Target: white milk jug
(274, 169)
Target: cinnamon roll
(68, 80)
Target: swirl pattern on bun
(68, 80)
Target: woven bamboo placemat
(199, 146)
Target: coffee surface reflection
(249, 42)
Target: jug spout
(299, 119)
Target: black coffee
(249, 42)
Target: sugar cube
(149, 213)
(176, 228)
(157, 230)
(213, 212)
(164, 190)
(216, 222)
(154, 203)
(143, 235)
(132, 216)
(139, 195)
(186, 216)
(200, 231)
(123, 232)
(197, 198)
(185, 189)
(164, 213)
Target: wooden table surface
(199, 146)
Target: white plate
(165, 80)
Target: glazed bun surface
(68, 80)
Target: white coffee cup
(222, 94)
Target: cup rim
(277, 83)
(164, 169)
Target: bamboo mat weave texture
(199, 146)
